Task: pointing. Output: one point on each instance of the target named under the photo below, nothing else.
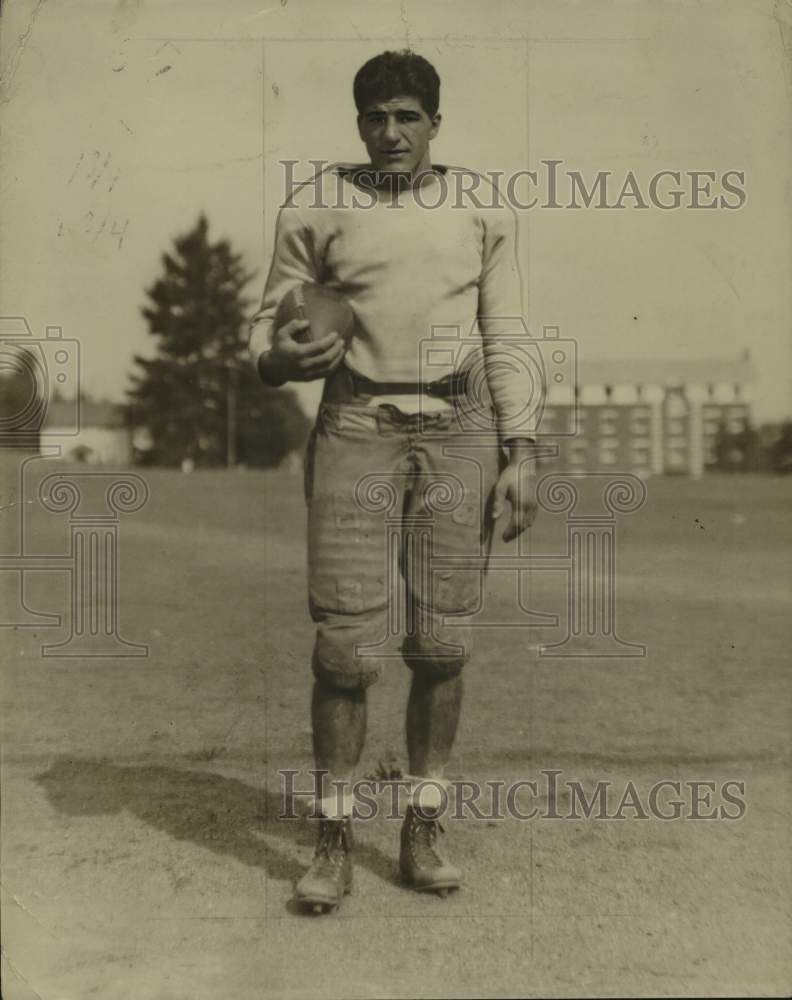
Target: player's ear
(360, 128)
(436, 122)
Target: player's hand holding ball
(289, 360)
(313, 326)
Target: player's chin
(395, 165)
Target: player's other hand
(289, 360)
(517, 485)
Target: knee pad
(441, 651)
(335, 658)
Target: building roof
(663, 371)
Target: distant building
(648, 417)
(96, 437)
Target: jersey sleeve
(509, 361)
(293, 262)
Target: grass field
(142, 856)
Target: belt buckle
(448, 387)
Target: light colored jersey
(429, 275)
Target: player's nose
(391, 133)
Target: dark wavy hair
(397, 74)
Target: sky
(121, 122)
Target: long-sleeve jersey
(430, 278)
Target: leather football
(326, 310)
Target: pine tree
(200, 397)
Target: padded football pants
(399, 532)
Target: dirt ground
(142, 857)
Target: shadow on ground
(218, 813)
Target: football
(326, 311)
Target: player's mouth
(395, 154)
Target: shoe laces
(332, 847)
(423, 836)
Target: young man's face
(397, 133)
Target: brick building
(647, 417)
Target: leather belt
(448, 387)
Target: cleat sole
(441, 888)
(319, 904)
